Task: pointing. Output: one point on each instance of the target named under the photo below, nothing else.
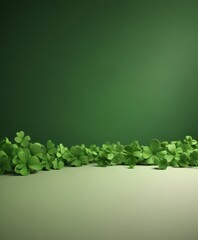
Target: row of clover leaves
(23, 157)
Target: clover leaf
(57, 159)
(193, 159)
(21, 139)
(92, 152)
(8, 147)
(133, 154)
(104, 158)
(51, 149)
(48, 155)
(190, 140)
(153, 153)
(188, 144)
(24, 157)
(40, 151)
(36, 149)
(110, 154)
(46, 160)
(3, 142)
(163, 164)
(25, 163)
(5, 164)
(57, 164)
(173, 154)
(117, 149)
(61, 150)
(76, 156)
(118, 158)
(184, 160)
(164, 144)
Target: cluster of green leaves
(23, 157)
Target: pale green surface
(95, 203)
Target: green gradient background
(91, 71)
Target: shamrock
(177, 143)
(184, 160)
(189, 140)
(188, 144)
(153, 153)
(24, 157)
(3, 142)
(164, 144)
(48, 155)
(46, 160)
(61, 150)
(163, 164)
(25, 163)
(193, 158)
(21, 139)
(104, 158)
(51, 149)
(76, 156)
(5, 164)
(56, 157)
(37, 149)
(8, 147)
(118, 153)
(173, 154)
(133, 154)
(40, 152)
(57, 164)
(108, 154)
(92, 151)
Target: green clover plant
(5, 164)
(154, 152)
(106, 155)
(133, 154)
(193, 158)
(77, 156)
(25, 163)
(23, 157)
(173, 154)
(21, 139)
(189, 140)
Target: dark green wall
(95, 71)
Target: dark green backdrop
(100, 70)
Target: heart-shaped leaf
(34, 163)
(155, 145)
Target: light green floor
(94, 203)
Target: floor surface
(95, 203)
